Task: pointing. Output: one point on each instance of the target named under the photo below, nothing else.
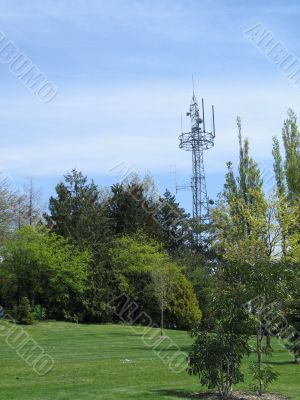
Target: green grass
(90, 363)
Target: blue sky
(123, 70)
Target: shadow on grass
(130, 334)
(186, 395)
(174, 393)
(162, 349)
(280, 362)
(211, 395)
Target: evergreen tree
(174, 224)
(78, 213)
(130, 209)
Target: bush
(24, 313)
(183, 308)
(216, 358)
(262, 378)
(147, 274)
(39, 312)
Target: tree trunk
(259, 355)
(162, 322)
(268, 340)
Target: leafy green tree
(134, 260)
(183, 308)
(216, 355)
(243, 195)
(287, 173)
(291, 141)
(262, 377)
(246, 236)
(200, 271)
(216, 358)
(293, 317)
(46, 269)
(278, 167)
(292, 303)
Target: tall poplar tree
(243, 228)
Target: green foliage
(91, 219)
(291, 141)
(202, 278)
(23, 312)
(183, 306)
(136, 206)
(288, 183)
(39, 312)
(132, 207)
(247, 237)
(78, 213)
(262, 377)
(278, 167)
(293, 317)
(45, 268)
(174, 224)
(244, 227)
(134, 260)
(217, 354)
(216, 358)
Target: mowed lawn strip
(113, 362)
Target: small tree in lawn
(161, 287)
(216, 358)
(262, 377)
(217, 355)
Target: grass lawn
(112, 362)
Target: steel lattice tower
(196, 141)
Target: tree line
(93, 245)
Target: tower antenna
(196, 141)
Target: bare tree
(7, 201)
(161, 285)
(28, 206)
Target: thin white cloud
(94, 129)
(176, 20)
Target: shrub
(39, 313)
(262, 377)
(24, 313)
(216, 358)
